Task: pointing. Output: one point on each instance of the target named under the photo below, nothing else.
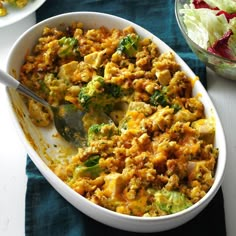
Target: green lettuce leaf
(203, 26)
(226, 5)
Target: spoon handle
(9, 81)
(24, 90)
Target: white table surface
(13, 178)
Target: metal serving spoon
(67, 118)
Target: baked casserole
(157, 157)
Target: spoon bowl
(68, 119)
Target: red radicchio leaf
(220, 47)
(228, 16)
(201, 4)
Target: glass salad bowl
(222, 66)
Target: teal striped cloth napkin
(46, 212)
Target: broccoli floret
(90, 168)
(113, 89)
(176, 107)
(129, 45)
(92, 161)
(68, 47)
(91, 91)
(159, 98)
(171, 201)
(99, 95)
(101, 131)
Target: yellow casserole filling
(15, 3)
(158, 157)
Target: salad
(212, 25)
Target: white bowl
(17, 14)
(39, 144)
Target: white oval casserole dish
(41, 146)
